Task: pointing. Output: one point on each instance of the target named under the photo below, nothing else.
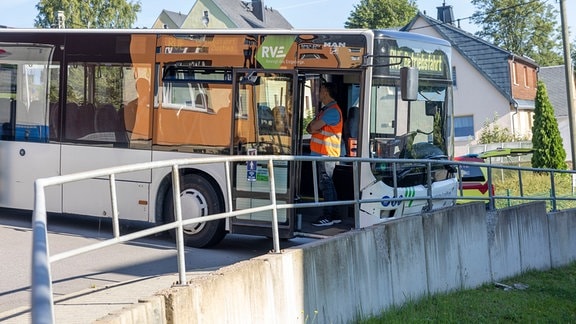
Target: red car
(474, 179)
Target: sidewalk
(92, 304)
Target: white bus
(77, 100)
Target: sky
(300, 13)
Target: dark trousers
(326, 185)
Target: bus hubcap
(193, 206)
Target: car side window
(472, 173)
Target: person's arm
(315, 126)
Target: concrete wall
(362, 273)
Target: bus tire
(198, 198)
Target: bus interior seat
(54, 120)
(109, 125)
(121, 118)
(86, 118)
(350, 131)
(122, 134)
(281, 122)
(106, 119)
(78, 121)
(71, 126)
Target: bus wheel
(198, 198)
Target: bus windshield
(396, 125)
(417, 129)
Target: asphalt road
(120, 263)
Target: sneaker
(325, 221)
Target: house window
(526, 76)
(514, 76)
(464, 126)
(454, 76)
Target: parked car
(474, 180)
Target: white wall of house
(216, 18)
(474, 95)
(523, 122)
(564, 127)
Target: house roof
(490, 60)
(176, 17)
(554, 77)
(242, 13)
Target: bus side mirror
(409, 83)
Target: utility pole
(569, 80)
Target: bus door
(25, 153)
(264, 114)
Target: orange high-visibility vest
(327, 141)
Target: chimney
(445, 14)
(258, 9)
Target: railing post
(315, 180)
(491, 203)
(42, 299)
(395, 178)
(356, 179)
(460, 183)
(179, 229)
(429, 184)
(275, 234)
(113, 197)
(228, 185)
(553, 191)
(520, 183)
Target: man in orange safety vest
(326, 130)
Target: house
(169, 20)
(554, 77)
(490, 83)
(224, 14)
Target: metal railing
(559, 186)
(42, 296)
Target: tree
(523, 27)
(87, 13)
(546, 141)
(381, 14)
(573, 54)
(493, 133)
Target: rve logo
(273, 51)
(386, 201)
